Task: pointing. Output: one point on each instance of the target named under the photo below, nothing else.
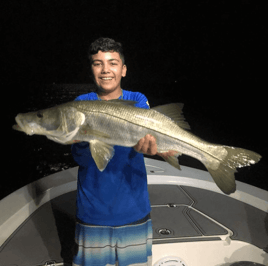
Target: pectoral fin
(102, 153)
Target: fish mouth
(17, 127)
(23, 126)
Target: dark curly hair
(106, 45)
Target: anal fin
(173, 160)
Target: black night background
(209, 55)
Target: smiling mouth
(108, 78)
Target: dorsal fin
(174, 112)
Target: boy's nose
(105, 68)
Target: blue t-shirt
(118, 195)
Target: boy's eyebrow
(112, 59)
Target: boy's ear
(124, 71)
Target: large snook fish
(107, 123)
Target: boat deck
(180, 213)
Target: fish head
(43, 122)
(58, 121)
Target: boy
(113, 208)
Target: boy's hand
(148, 146)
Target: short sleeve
(142, 101)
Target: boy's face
(108, 69)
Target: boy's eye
(96, 64)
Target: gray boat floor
(179, 213)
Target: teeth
(106, 78)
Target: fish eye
(39, 115)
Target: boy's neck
(110, 95)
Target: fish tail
(222, 165)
